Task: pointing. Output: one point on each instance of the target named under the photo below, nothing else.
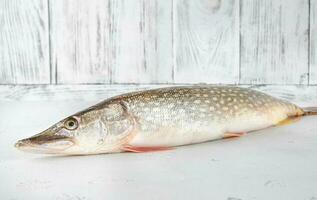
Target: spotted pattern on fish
(161, 107)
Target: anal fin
(137, 149)
(233, 135)
(289, 120)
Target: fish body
(161, 118)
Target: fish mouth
(54, 144)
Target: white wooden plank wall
(313, 42)
(80, 41)
(274, 41)
(158, 42)
(142, 41)
(206, 41)
(24, 49)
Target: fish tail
(310, 110)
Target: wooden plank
(80, 41)
(142, 41)
(313, 43)
(158, 41)
(24, 50)
(206, 41)
(274, 42)
(112, 41)
(301, 95)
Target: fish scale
(203, 104)
(202, 113)
(158, 119)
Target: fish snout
(22, 143)
(44, 143)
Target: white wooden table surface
(275, 163)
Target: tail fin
(310, 110)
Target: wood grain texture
(112, 41)
(24, 50)
(158, 40)
(80, 39)
(301, 95)
(313, 43)
(142, 41)
(274, 41)
(206, 41)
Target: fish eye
(71, 124)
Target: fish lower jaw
(39, 150)
(91, 150)
(68, 152)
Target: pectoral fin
(136, 149)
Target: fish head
(96, 130)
